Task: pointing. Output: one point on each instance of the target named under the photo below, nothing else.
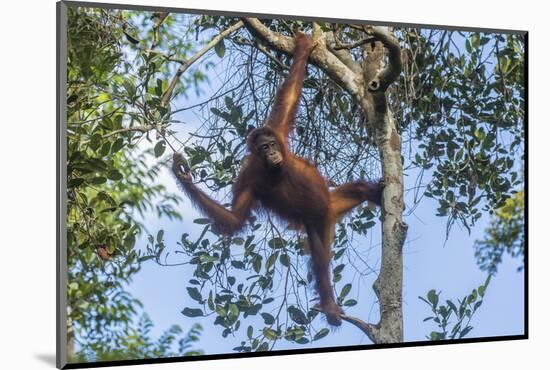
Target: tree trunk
(389, 284)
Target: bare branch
(353, 45)
(143, 129)
(343, 55)
(262, 48)
(166, 56)
(216, 40)
(391, 71)
(321, 56)
(370, 330)
(156, 27)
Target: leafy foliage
(236, 278)
(136, 343)
(461, 311)
(466, 112)
(506, 234)
(110, 184)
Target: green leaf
(238, 265)
(434, 335)
(270, 334)
(192, 312)
(268, 318)
(321, 334)
(97, 164)
(117, 145)
(452, 306)
(130, 241)
(468, 46)
(158, 87)
(194, 293)
(75, 182)
(129, 87)
(216, 112)
(160, 235)
(339, 254)
(370, 224)
(220, 49)
(277, 243)
(201, 221)
(350, 302)
(338, 269)
(160, 147)
(297, 315)
(105, 148)
(114, 175)
(481, 290)
(433, 297)
(264, 346)
(345, 290)
(107, 198)
(477, 305)
(238, 241)
(250, 332)
(95, 141)
(472, 297)
(98, 180)
(221, 312)
(233, 311)
(475, 40)
(465, 331)
(257, 264)
(285, 260)
(110, 209)
(271, 261)
(131, 38)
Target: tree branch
(321, 56)
(389, 284)
(372, 331)
(353, 45)
(262, 48)
(391, 71)
(342, 54)
(143, 129)
(185, 65)
(156, 27)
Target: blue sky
(429, 263)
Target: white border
(27, 187)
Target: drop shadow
(47, 358)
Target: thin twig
(353, 45)
(156, 27)
(216, 40)
(143, 129)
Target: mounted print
(236, 185)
